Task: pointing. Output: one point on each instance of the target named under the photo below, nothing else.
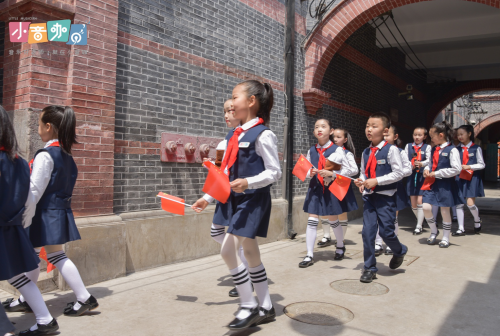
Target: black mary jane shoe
(22, 307)
(379, 250)
(397, 261)
(88, 305)
(368, 276)
(240, 324)
(233, 292)
(325, 241)
(306, 263)
(43, 329)
(268, 315)
(339, 256)
(477, 230)
(458, 233)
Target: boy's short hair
(386, 120)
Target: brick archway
(328, 37)
(469, 87)
(485, 123)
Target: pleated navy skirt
(53, 227)
(472, 188)
(221, 215)
(247, 214)
(414, 183)
(444, 193)
(402, 198)
(349, 202)
(17, 255)
(320, 201)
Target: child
(381, 169)
(471, 157)
(319, 199)
(218, 231)
(251, 161)
(444, 166)
(16, 252)
(417, 150)
(402, 201)
(48, 207)
(342, 138)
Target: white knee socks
(420, 215)
(312, 227)
(339, 235)
(218, 232)
(241, 280)
(326, 229)
(475, 213)
(32, 275)
(344, 224)
(259, 280)
(435, 210)
(446, 231)
(432, 224)
(70, 274)
(460, 217)
(34, 298)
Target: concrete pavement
(452, 291)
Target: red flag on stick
(217, 184)
(340, 186)
(43, 255)
(172, 204)
(301, 168)
(428, 183)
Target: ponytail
(468, 129)
(264, 94)
(398, 141)
(64, 122)
(349, 144)
(445, 128)
(7, 135)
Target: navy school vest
(412, 154)
(14, 189)
(383, 166)
(314, 156)
(444, 158)
(248, 163)
(472, 156)
(58, 193)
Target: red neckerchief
(232, 148)
(343, 147)
(465, 158)
(435, 157)
(54, 144)
(371, 165)
(322, 162)
(418, 151)
(3, 150)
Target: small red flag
(217, 184)
(428, 183)
(301, 168)
(340, 186)
(43, 255)
(466, 175)
(207, 164)
(172, 204)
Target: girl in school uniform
(48, 209)
(342, 138)
(471, 157)
(444, 165)
(402, 201)
(418, 153)
(218, 230)
(16, 252)
(251, 161)
(319, 199)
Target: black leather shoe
(339, 256)
(43, 329)
(252, 319)
(368, 276)
(308, 261)
(269, 315)
(233, 292)
(458, 233)
(477, 230)
(324, 242)
(397, 261)
(88, 305)
(23, 307)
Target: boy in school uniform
(381, 169)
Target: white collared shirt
(337, 157)
(425, 162)
(266, 146)
(479, 157)
(43, 165)
(456, 165)
(349, 166)
(407, 170)
(394, 159)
